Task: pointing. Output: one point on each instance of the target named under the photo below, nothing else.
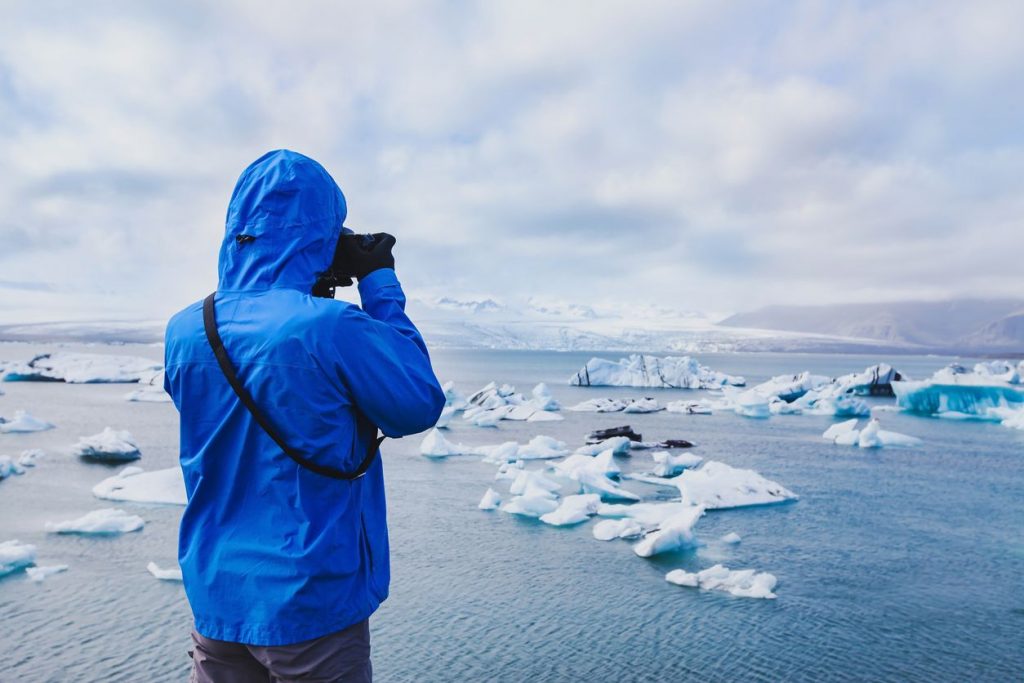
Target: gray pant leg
(341, 657)
(220, 661)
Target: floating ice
(543, 448)
(602, 464)
(530, 506)
(593, 482)
(1014, 419)
(731, 538)
(609, 529)
(641, 405)
(574, 509)
(500, 453)
(14, 555)
(446, 416)
(151, 389)
(791, 387)
(529, 482)
(490, 501)
(668, 465)
(872, 436)
(490, 405)
(134, 485)
(743, 583)
(648, 515)
(689, 407)
(9, 467)
(172, 574)
(28, 457)
(599, 405)
(620, 445)
(452, 398)
(509, 470)
(544, 416)
(673, 533)
(81, 368)
(954, 390)
(717, 486)
(39, 574)
(434, 445)
(542, 398)
(105, 522)
(680, 372)
(110, 445)
(22, 423)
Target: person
(283, 547)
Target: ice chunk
(490, 501)
(509, 470)
(28, 457)
(791, 387)
(873, 436)
(833, 432)
(172, 574)
(434, 445)
(743, 583)
(39, 574)
(619, 445)
(1014, 419)
(452, 398)
(445, 417)
(681, 372)
(750, 404)
(609, 529)
(717, 486)
(105, 522)
(602, 464)
(542, 398)
(731, 538)
(592, 482)
(599, 405)
(110, 445)
(648, 515)
(544, 416)
(533, 495)
(574, 509)
(673, 533)
(689, 407)
(500, 453)
(972, 397)
(668, 465)
(82, 368)
(534, 482)
(22, 422)
(641, 405)
(134, 485)
(488, 418)
(15, 555)
(543, 448)
(9, 467)
(151, 389)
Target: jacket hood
(283, 224)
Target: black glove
(359, 255)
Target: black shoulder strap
(213, 336)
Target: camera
(339, 273)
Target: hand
(359, 255)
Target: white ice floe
(151, 390)
(172, 574)
(689, 407)
(447, 413)
(81, 368)
(544, 416)
(135, 485)
(872, 436)
(110, 445)
(39, 574)
(509, 470)
(490, 501)
(1009, 417)
(718, 486)
(673, 533)
(533, 495)
(620, 445)
(105, 522)
(602, 464)
(452, 398)
(743, 583)
(680, 372)
(542, 448)
(28, 457)
(642, 405)
(731, 538)
(593, 482)
(492, 404)
(668, 465)
(23, 423)
(599, 405)
(610, 529)
(8, 467)
(15, 555)
(499, 453)
(647, 515)
(574, 509)
(435, 445)
(791, 387)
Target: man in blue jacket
(284, 554)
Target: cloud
(697, 155)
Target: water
(894, 565)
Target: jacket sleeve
(383, 360)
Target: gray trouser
(342, 657)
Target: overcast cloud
(703, 155)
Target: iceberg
(872, 436)
(602, 464)
(81, 368)
(677, 372)
(641, 405)
(8, 467)
(447, 413)
(610, 529)
(574, 509)
(955, 391)
(490, 501)
(593, 482)
(544, 416)
(452, 398)
(15, 555)
(434, 445)
(530, 505)
(23, 423)
(673, 533)
(493, 403)
(39, 574)
(731, 538)
(599, 405)
(668, 465)
(1014, 419)
(743, 583)
(28, 457)
(105, 522)
(151, 390)
(110, 446)
(791, 387)
(689, 407)
(647, 515)
(173, 574)
(717, 486)
(135, 485)
(534, 482)
(620, 445)
(542, 448)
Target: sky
(700, 156)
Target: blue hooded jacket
(273, 553)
